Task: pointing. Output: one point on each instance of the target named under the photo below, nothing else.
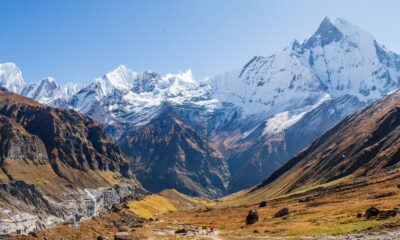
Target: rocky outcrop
(167, 153)
(26, 208)
(17, 144)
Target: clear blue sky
(78, 40)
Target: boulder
(371, 212)
(208, 209)
(123, 236)
(181, 231)
(116, 207)
(103, 238)
(387, 214)
(252, 217)
(282, 212)
(262, 204)
(307, 199)
(33, 234)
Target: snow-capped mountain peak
(181, 81)
(121, 78)
(11, 76)
(347, 59)
(351, 30)
(43, 89)
(339, 58)
(146, 81)
(326, 33)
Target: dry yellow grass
(167, 200)
(44, 177)
(151, 205)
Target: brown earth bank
(329, 211)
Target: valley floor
(327, 212)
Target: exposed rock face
(25, 208)
(167, 153)
(17, 144)
(364, 143)
(71, 139)
(28, 195)
(248, 166)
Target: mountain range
(238, 127)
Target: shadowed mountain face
(167, 153)
(364, 143)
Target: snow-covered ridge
(338, 59)
(124, 95)
(45, 91)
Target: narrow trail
(215, 236)
(385, 235)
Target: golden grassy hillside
(167, 200)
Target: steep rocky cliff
(167, 153)
(54, 165)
